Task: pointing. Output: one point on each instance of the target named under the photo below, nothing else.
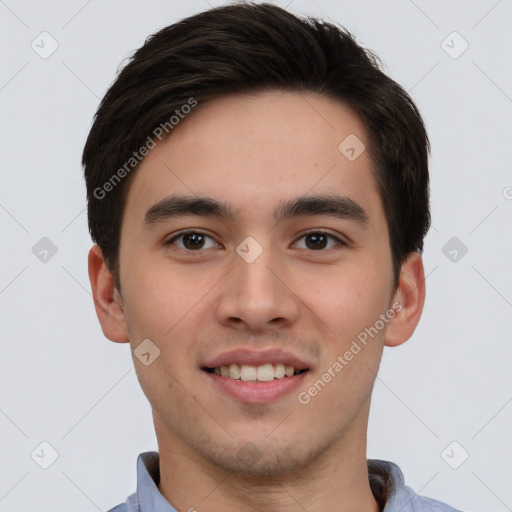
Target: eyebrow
(174, 206)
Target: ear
(107, 300)
(407, 302)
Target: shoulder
(423, 504)
(388, 485)
(119, 508)
(130, 505)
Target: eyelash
(193, 231)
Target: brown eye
(192, 241)
(318, 240)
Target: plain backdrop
(442, 403)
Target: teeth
(234, 371)
(263, 373)
(279, 371)
(247, 372)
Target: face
(247, 281)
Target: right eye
(191, 241)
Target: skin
(253, 151)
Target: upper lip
(257, 358)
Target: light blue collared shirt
(400, 498)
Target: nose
(256, 296)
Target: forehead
(253, 151)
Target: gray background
(62, 382)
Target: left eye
(318, 240)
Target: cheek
(348, 301)
(349, 310)
(163, 303)
(160, 305)
(158, 296)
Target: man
(258, 193)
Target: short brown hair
(246, 48)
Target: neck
(336, 480)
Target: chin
(265, 459)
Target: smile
(250, 373)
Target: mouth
(250, 373)
(256, 377)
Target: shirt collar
(386, 481)
(148, 478)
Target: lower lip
(257, 392)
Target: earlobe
(408, 301)
(107, 300)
